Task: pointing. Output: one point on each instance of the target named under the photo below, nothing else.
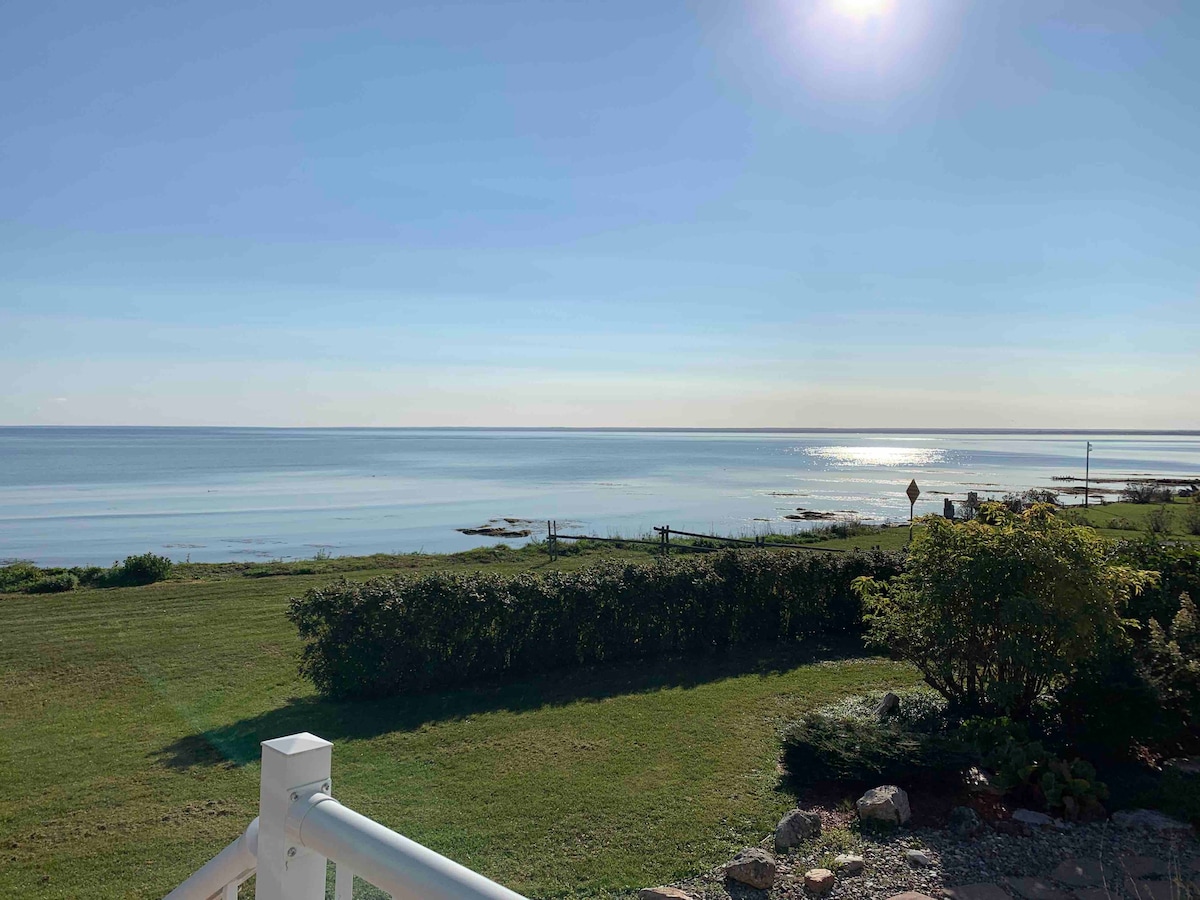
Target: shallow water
(91, 495)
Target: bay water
(79, 496)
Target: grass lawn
(130, 722)
(1131, 519)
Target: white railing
(300, 827)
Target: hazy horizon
(782, 213)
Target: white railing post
(293, 768)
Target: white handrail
(231, 866)
(402, 867)
(300, 827)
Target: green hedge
(409, 634)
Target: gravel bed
(991, 858)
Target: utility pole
(1087, 471)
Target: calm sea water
(91, 495)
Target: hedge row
(408, 634)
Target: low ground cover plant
(406, 634)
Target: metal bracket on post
(293, 769)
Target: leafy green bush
(1145, 492)
(404, 633)
(999, 611)
(17, 576)
(1173, 667)
(1118, 523)
(53, 584)
(146, 568)
(1191, 517)
(1158, 520)
(1178, 568)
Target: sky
(768, 213)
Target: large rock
(1151, 819)
(1032, 818)
(1160, 889)
(886, 706)
(1079, 872)
(818, 881)
(848, 863)
(978, 891)
(1143, 866)
(663, 893)
(1037, 889)
(964, 823)
(917, 858)
(754, 867)
(798, 825)
(886, 803)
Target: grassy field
(1132, 519)
(130, 722)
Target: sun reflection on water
(877, 456)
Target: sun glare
(864, 10)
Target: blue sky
(768, 213)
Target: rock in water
(886, 803)
(754, 867)
(965, 823)
(798, 825)
(818, 881)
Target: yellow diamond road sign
(913, 491)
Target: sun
(863, 10)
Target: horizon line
(645, 429)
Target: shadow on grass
(238, 744)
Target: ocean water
(75, 496)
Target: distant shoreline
(1135, 432)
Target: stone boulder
(964, 823)
(886, 706)
(663, 893)
(849, 863)
(818, 881)
(886, 803)
(1032, 818)
(917, 858)
(797, 826)
(753, 867)
(1150, 819)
